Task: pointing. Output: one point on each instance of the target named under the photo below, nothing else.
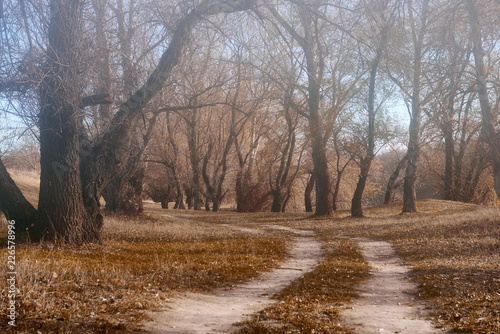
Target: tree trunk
(13, 203)
(164, 202)
(63, 215)
(310, 44)
(409, 192)
(391, 184)
(282, 180)
(357, 198)
(447, 128)
(488, 118)
(307, 194)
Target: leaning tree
(74, 170)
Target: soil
(387, 303)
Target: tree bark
(307, 194)
(391, 184)
(13, 203)
(62, 213)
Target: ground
(448, 252)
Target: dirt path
(222, 310)
(387, 303)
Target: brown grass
(454, 249)
(105, 288)
(313, 303)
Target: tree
(310, 43)
(417, 23)
(383, 22)
(73, 177)
(489, 115)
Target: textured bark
(13, 204)
(63, 215)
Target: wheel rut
(387, 303)
(223, 310)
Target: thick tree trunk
(63, 215)
(124, 194)
(13, 204)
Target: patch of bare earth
(225, 309)
(387, 302)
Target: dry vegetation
(454, 249)
(313, 303)
(105, 288)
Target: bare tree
(382, 16)
(71, 182)
(489, 115)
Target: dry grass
(454, 249)
(313, 303)
(105, 288)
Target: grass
(453, 248)
(142, 262)
(313, 303)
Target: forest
(246, 105)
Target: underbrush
(142, 261)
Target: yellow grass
(454, 249)
(105, 288)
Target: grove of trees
(250, 103)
